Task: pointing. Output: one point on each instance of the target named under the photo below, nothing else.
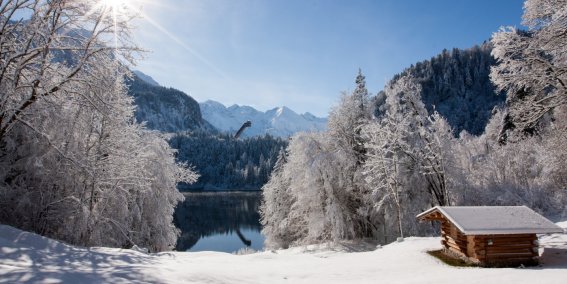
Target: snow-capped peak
(279, 121)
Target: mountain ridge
(146, 78)
(165, 109)
(279, 121)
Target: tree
(532, 65)
(406, 107)
(275, 206)
(73, 163)
(346, 118)
(321, 187)
(387, 164)
(404, 164)
(344, 129)
(318, 194)
(58, 45)
(361, 94)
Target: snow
(496, 220)
(280, 121)
(27, 257)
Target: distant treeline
(225, 162)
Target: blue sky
(302, 54)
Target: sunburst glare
(116, 5)
(118, 9)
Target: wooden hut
(491, 235)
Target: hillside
(280, 121)
(456, 83)
(165, 109)
(27, 257)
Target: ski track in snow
(29, 258)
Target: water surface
(219, 221)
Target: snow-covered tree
(72, 34)
(322, 180)
(276, 204)
(346, 118)
(387, 164)
(361, 94)
(404, 107)
(344, 129)
(405, 164)
(321, 188)
(532, 64)
(73, 164)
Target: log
(507, 237)
(518, 247)
(500, 250)
(514, 245)
(456, 238)
(505, 257)
(510, 241)
(453, 245)
(501, 243)
(457, 241)
(457, 251)
(514, 253)
(456, 244)
(496, 247)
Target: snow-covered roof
(495, 220)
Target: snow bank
(26, 257)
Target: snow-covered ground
(29, 258)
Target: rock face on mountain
(280, 121)
(165, 109)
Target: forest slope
(457, 84)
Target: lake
(224, 221)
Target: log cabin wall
(490, 249)
(505, 249)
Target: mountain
(146, 78)
(165, 109)
(280, 121)
(223, 161)
(456, 84)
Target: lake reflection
(219, 221)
